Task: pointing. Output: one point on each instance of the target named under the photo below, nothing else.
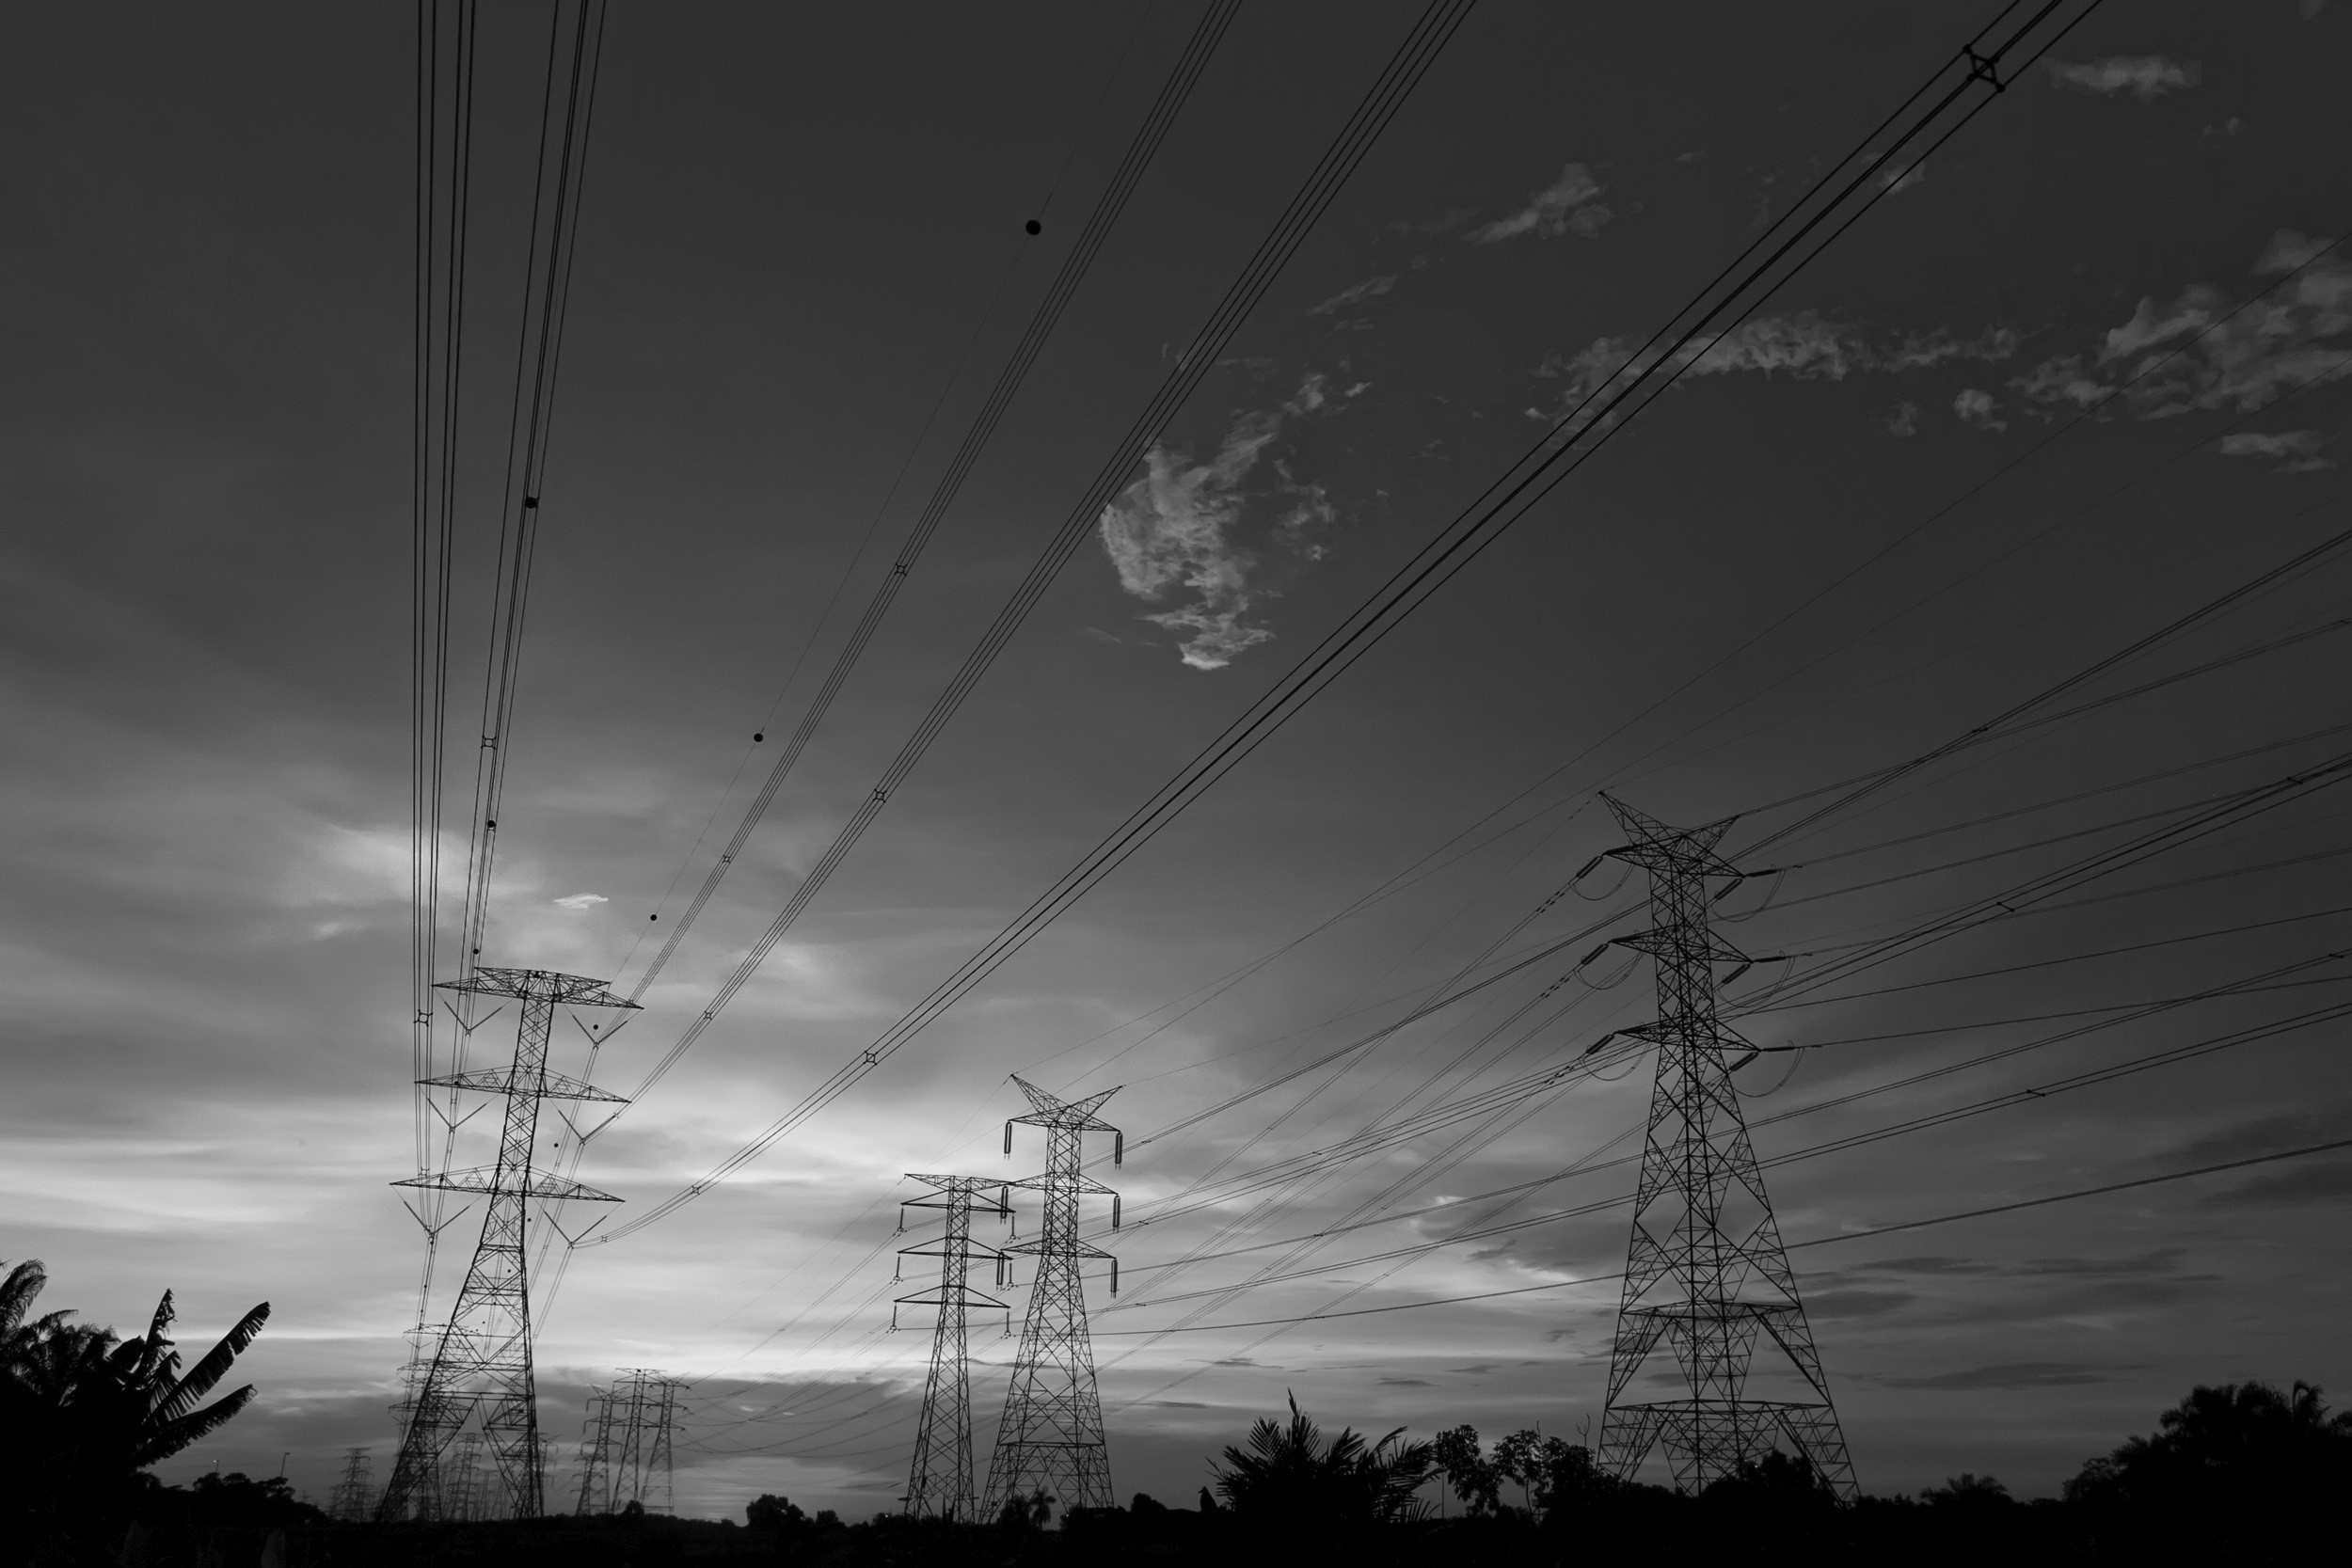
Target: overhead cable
(1929, 118)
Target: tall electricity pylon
(349, 1502)
(482, 1362)
(626, 1457)
(1051, 1438)
(1705, 1274)
(596, 1455)
(939, 1485)
(463, 1495)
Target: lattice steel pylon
(940, 1480)
(481, 1364)
(596, 1455)
(463, 1494)
(626, 1456)
(1051, 1437)
(1706, 1273)
(349, 1502)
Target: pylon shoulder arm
(571, 991)
(500, 1080)
(482, 1179)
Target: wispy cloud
(1806, 346)
(1356, 294)
(2013, 1374)
(2299, 449)
(1569, 205)
(2146, 77)
(1175, 529)
(2199, 352)
(582, 901)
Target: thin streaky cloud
(1569, 205)
(2146, 77)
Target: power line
(1821, 216)
(2303, 1153)
(1372, 116)
(1162, 116)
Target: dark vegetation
(2241, 1473)
(84, 1413)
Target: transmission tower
(481, 1365)
(1705, 1273)
(596, 1455)
(1051, 1438)
(462, 1490)
(939, 1485)
(353, 1494)
(658, 1472)
(625, 1454)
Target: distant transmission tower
(596, 1455)
(939, 1487)
(1051, 1438)
(659, 1476)
(462, 1489)
(1706, 1274)
(482, 1362)
(626, 1455)
(353, 1495)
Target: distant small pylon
(353, 1497)
(940, 1481)
(596, 1455)
(1051, 1437)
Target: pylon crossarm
(484, 1179)
(500, 1080)
(563, 991)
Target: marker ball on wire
(1034, 226)
(758, 735)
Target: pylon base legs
(1706, 1440)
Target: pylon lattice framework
(940, 1480)
(482, 1362)
(1716, 1280)
(1051, 1437)
(349, 1502)
(626, 1457)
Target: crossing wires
(1924, 121)
(1156, 125)
(1372, 116)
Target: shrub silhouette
(1286, 1478)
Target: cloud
(1895, 181)
(1175, 528)
(2329, 1181)
(1403, 1383)
(1567, 206)
(2146, 77)
(1975, 405)
(1355, 293)
(583, 901)
(1904, 421)
(1857, 1304)
(1806, 346)
(1170, 527)
(2299, 448)
(2199, 352)
(2012, 1374)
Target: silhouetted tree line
(2241, 1473)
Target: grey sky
(794, 230)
